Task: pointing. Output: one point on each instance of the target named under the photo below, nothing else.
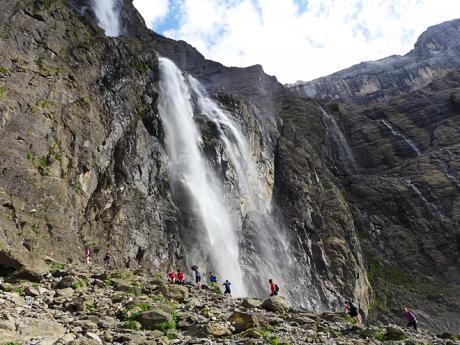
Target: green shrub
(163, 326)
(128, 314)
(131, 324)
(89, 307)
(56, 266)
(79, 284)
(379, 335)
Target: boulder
(23, 264)
(32, 291)
(251, 303)
(218, 329)
(67, 282)
(67, 292)
(394, 332)
(243, 321)
(276, 304)
(150, 319)
(176, 292)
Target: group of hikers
(408, 315)
(179, 278)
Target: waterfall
(108, 16)
(344, 150)
(402, 136)
(445, 169)
(195, 184)
(266, 249)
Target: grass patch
(35, 227)
(56, 266)
(379, 335)
(142, 68)
(350, 320)
(131, 324)
(3, 92)
(163, 326)
(79, 284)
(89, 307)
(4, 70)
(266, 333)
(19, 290)
(133, 311)
(44, 104)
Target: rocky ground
(77, 305)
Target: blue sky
(296, 39)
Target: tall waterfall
(195, 185)
(108, 16)
(234, 235)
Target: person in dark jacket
(409, 316)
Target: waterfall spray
(108, 16)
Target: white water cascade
(262, 231)
(108, 16)
(402, 136)
(344, 150)
(195, 183)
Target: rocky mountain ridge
(435, 54)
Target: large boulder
(276, 304)
(251, 303)
(22, 264)
(176, 292)
(394, 332)
(152, 318)
(218, 329)
(243, 321)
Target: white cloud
(152, 10)
(301, 45)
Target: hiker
(107, 259)
(227, 291)
(351, 310)
(212, 279)
(197, 276)
(409, 315)
(273, 288)
(172, 277)
(180, 277)
(88, 255)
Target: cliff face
(84, 163)
(400, 119)
(81, 153)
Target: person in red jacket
(180, 277)
(172, 277)
(273, 288)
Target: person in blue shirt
(212, 279)
(227, 291)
